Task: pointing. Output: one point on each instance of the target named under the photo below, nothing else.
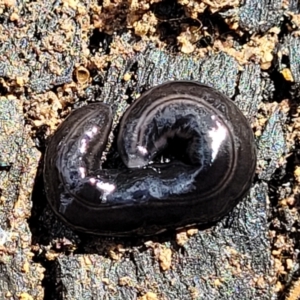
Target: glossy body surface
(211, 170)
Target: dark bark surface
(42, 258)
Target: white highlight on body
(105, 188)
(83, 145)
(82, 172)
(84, 141)
(93, 181)
(142, 150)
(92, 132)
(217, 135)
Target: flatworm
(209, 170)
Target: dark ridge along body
(201, 184)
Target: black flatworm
(211, 173)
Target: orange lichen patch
(282, 243)
(184, 40)
(289, 201)
(192, 231)
(21, 81)
(97, 21)
(125, 281)
(26, 267)
(289, 264)
(44, 110)
(233, 23)
(297, 173)
(236, 265)
(278, 287)
(165, 258)
(51, 255)
(2, 200)
(22, 206)
(140, 5)
(119, 47)
(106, 280)
(295, 19)
(68, 27)
(53, 42)
(145, 26)
(70, 3)
(216, 5)
(162, 254)
(287, 74)
(14, 17)
(137, 9)
(109, 285)
(99, 61)
(279, 268)
(217, 282)
(183, 235)
(193, 7)
(260, 282)
(284, 106)
(136, 5)
(116, 252)
(87, 260)
(294, 293)
(149, 296)
(25, 296)
(127, 77)
(181, 238)
(258, 49)
(111, 16)
(194, 292)
(9, 3)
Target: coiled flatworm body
(210, 168)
